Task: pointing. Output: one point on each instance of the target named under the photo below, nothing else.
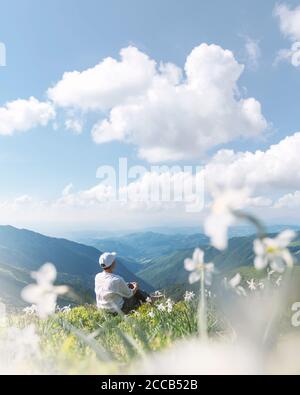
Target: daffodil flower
(234, 284)
(44, 294)
(252, 285)
(151, 314)
(161, 307)
(274, 252)
(196, 266)
(189, 296)
(222, 215)
(169, 305)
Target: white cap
(107, 259)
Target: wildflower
(44, 294)
(169, 305)
(274, 252)
(161, 307)
(65, 309)
(261, 285)
(158, 294)
(222, 215)
(151, 314)
(234, 284)
(189, 296)
(196, 265)
(30, 310)
(252, 285)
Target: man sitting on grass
(113, 294)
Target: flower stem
(202, 313)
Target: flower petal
(198, 256)
(235, 281)
(285, 238)
(260, 263)
(258, 247)
(46, 275)
(189, 265)
(194, 277)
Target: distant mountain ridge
(168, 270)
(145, 246)
(22, 251)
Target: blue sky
(46, 39)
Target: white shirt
(110, 291)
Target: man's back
(110, 291)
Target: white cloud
(289, 23)
(289, 20)
(253, 53)
(277, 168)
(176, 118)
(107, 84)
(23, 115)
(74, 125)
(259, 201)
(24, 199)
(290, 200)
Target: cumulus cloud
(107, 84)
(23, 115)
(289, 20)
(167, 113)
(290, 200)
(277, 168)
(289, 23)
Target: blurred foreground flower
(235, 284)
(222, 215)
(2, 314)
(197, 266)
(44, 294)
(274, 252)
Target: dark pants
(134, 302)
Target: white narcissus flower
(222, 215)
(161, 307)
(274, 252)
(196, 265)
(44, 294)
(189, 296)
(234, 284)
(169, 305)
(252, 285)
(151, 314)
(30, 310)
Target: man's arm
(123, 290)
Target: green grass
(87, 340)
